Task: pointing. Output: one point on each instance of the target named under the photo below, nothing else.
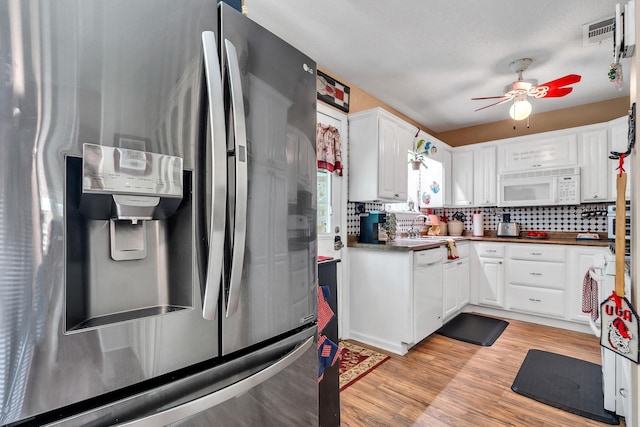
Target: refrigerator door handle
(240, 148)
(218, 175)
(203, 403)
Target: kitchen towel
(329, 148)
(328, 351)
(328, 354)
(452, 250)
(325, 313)
(590, 303)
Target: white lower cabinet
(579, 259)
(488, 274)
(395, 297)
(536, 279)
(455, 283)
(380, 293)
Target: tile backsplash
(592, 217)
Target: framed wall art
(332, 91)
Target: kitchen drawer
(550, 253)
(541, 274)
(428, 256)
(486, 250)
(548, 302)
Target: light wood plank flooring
(444, 382)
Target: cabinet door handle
(499, 262)
(622, 392)
(459, 262)
(595, 196)
(534, 300)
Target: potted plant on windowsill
(419, 152)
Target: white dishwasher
(427, 291)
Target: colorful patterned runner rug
(356, 362)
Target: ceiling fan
(521, 89)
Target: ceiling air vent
(595, 33)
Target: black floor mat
(572, 385)
(467, 327)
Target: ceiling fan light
(520, 110)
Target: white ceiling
(427, 59)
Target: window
(324, 201)
(425, 185)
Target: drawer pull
(535, 274)
(492, 250)
(536, 253)
(534, 300)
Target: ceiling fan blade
(488, 97)
(506, 99)
(554, 88)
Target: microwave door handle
(218, 176)
(240, 148)
(554, 190)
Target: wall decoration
(332, 91)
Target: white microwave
(540, 187)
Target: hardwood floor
(444, 382)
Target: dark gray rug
(474, 329)
(563, 382)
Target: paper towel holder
(477, 222)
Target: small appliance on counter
(506, 228)
(369, 222)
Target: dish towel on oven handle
(452, 250)
(590, 303)
(328, 351)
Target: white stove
(616, 369)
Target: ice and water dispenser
(128, 236)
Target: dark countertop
(554, 238)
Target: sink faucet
(412, 231)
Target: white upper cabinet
(618, 137)
(446, 185)
(538, 152)
(594, 173)
(485, 189)
(378, 147)
(462, 178)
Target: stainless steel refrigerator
(157, 217)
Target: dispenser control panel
(113, 170)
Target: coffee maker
(369, 226)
